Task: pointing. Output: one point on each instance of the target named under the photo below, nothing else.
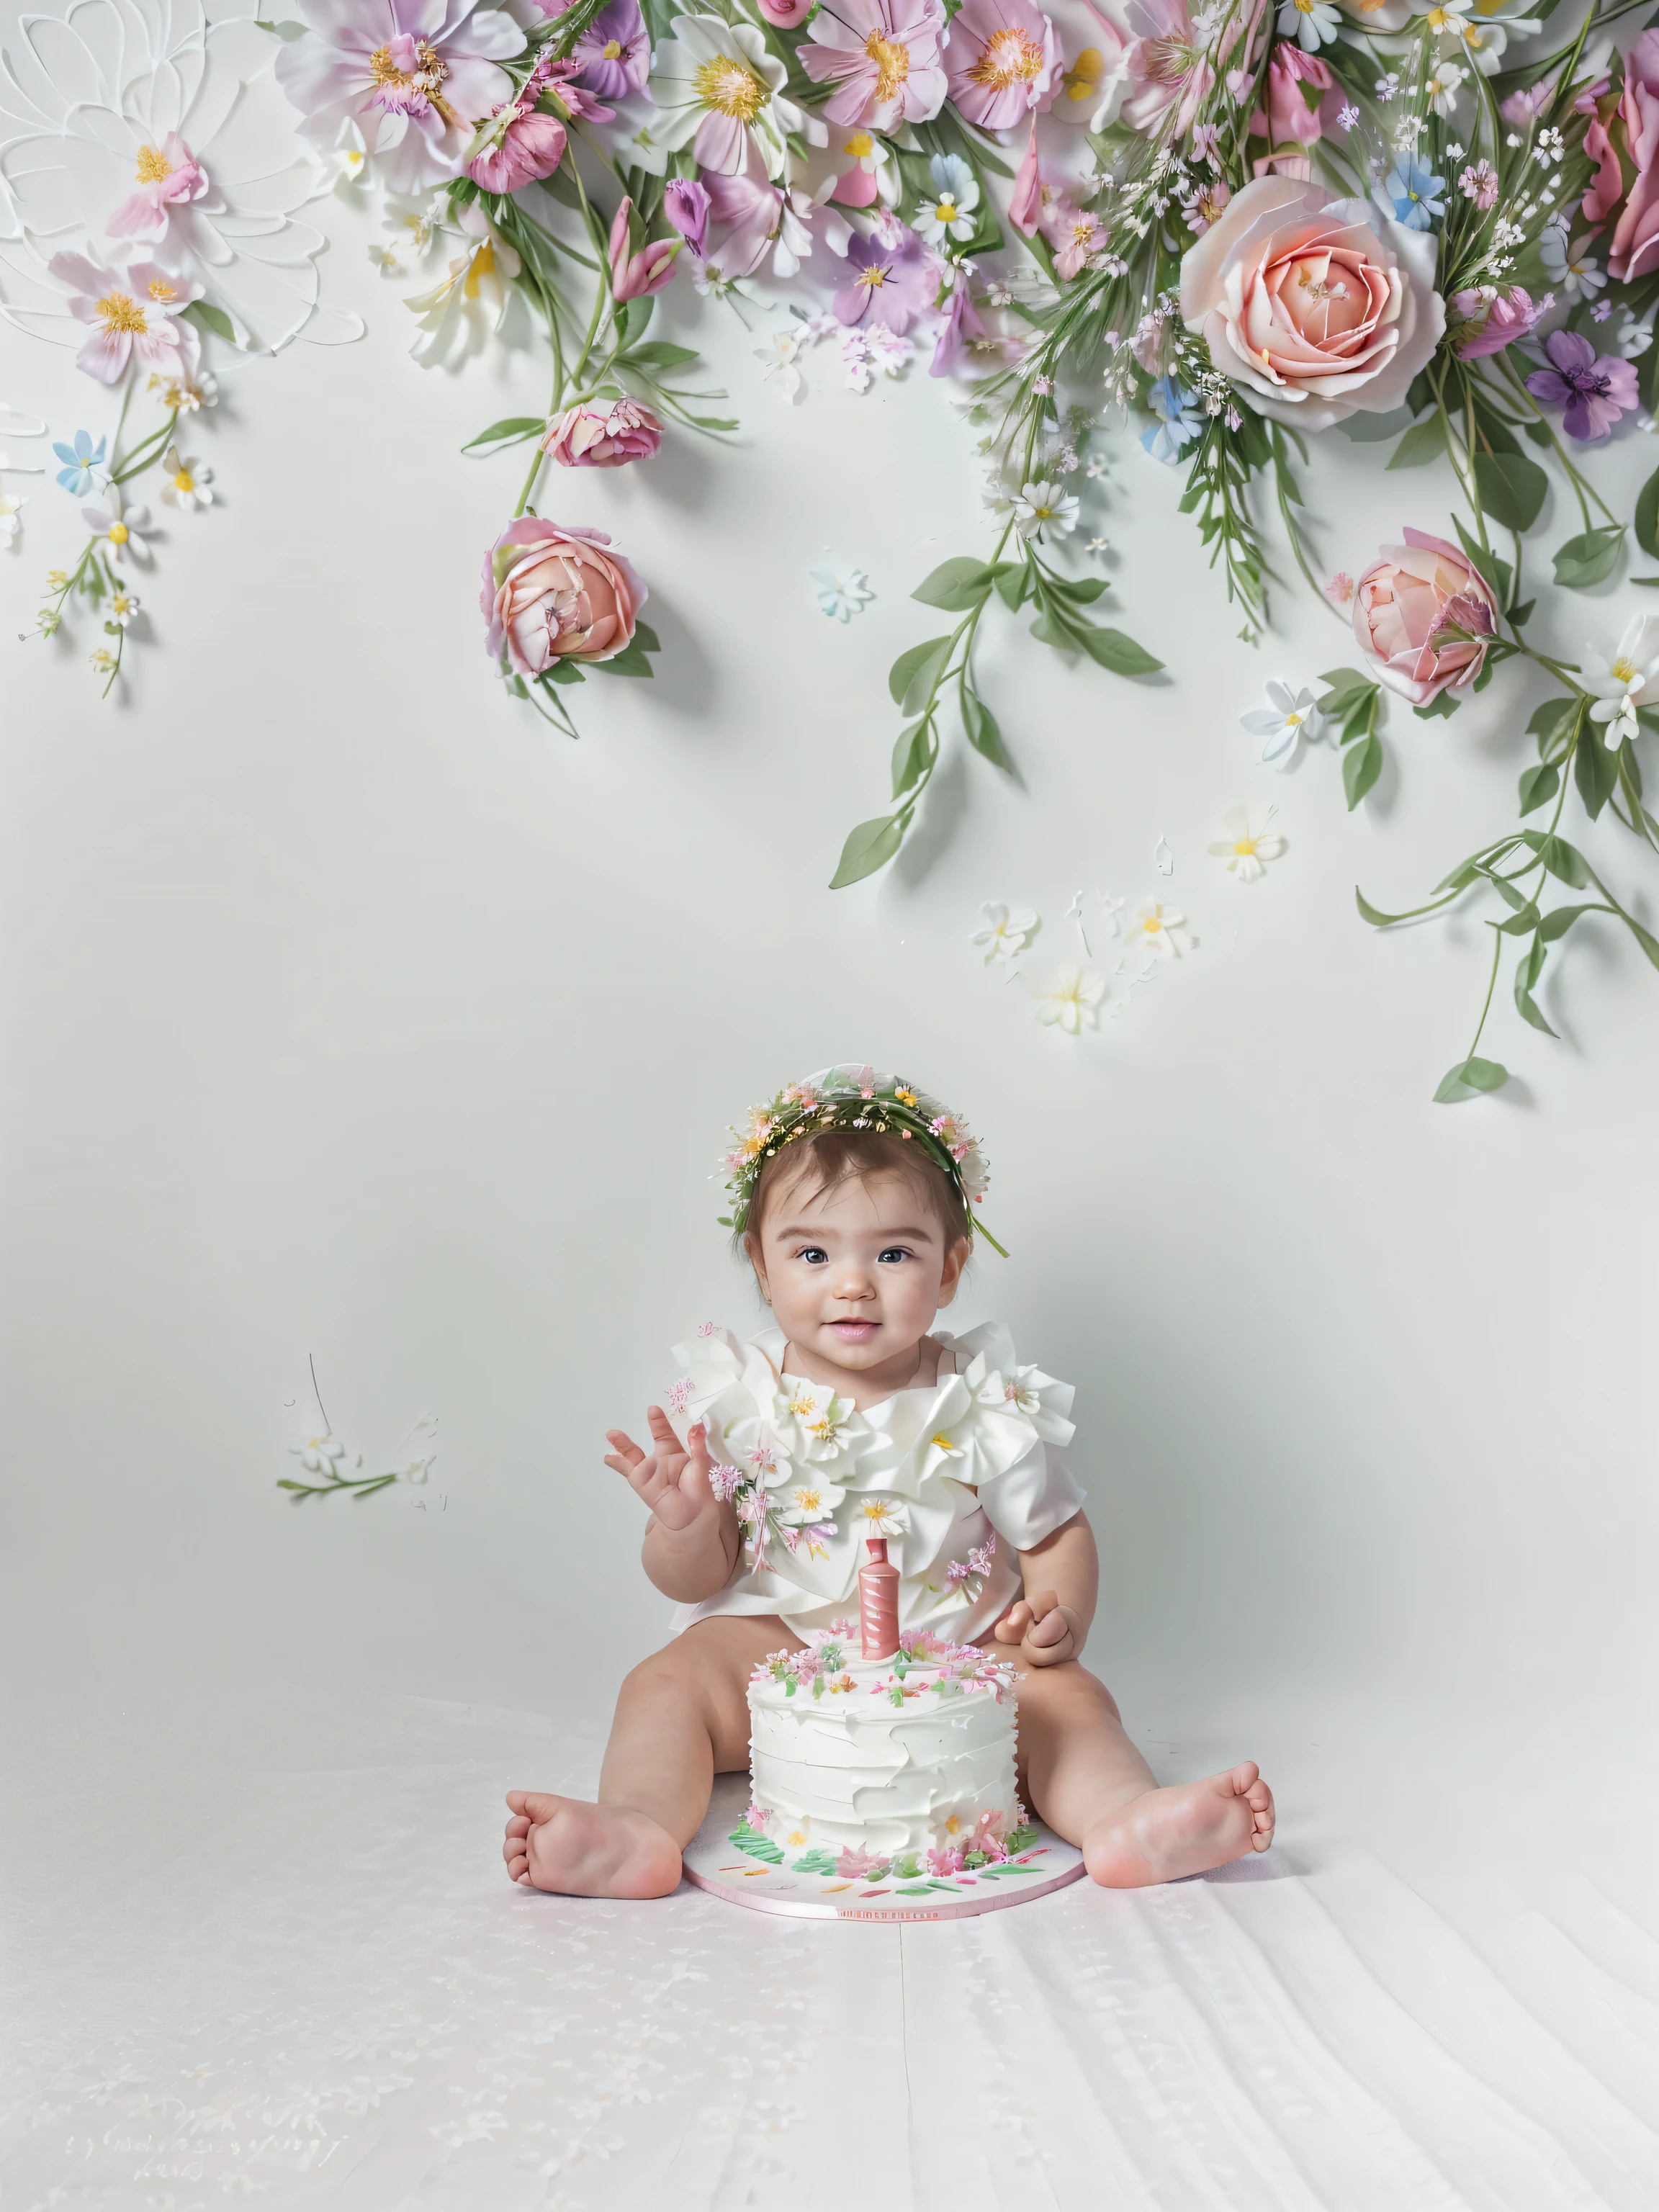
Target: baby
(853, 1198)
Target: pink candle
(878, 1602)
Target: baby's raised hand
(671, 1481)
(1046, 1631)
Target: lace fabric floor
(303, 1979)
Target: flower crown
(856, 1097)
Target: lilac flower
(685, 202)
(614, 51)
(723, 1481)
(1595, 390)
(888, 284)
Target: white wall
(350, 1010)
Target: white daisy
(1161, 929)
(1248, 844)
(186, 484)
(1005, 931)
(948, 210)
(841, 598)
(1288, 717)
(717, 89)
(1073, 1005)
(1044, 505)
(1627, 680)
(1311, 23)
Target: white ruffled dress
(960, 1476)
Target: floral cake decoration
(856, 1098)
(825, 1665)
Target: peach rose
(557, 594)
(1320, 308)
(1404, 603)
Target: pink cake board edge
(710, 1851)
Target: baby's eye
(893, 1252)
(814, 1254)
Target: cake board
(713, 1862)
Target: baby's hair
(827, 1158)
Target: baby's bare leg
(1091, 1784)
(682, 1717)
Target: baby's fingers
(1050, 1627)
(624, 1453)
(1014, 1623)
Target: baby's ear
(951, 1276)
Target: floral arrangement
(859, 1098)
(336, 1470)
(1245, 221)
(990, 1840)
(823, 1666)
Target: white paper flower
(1248, 844)
(1311, 23)
(782, 355)
(718, 89)
(1005, 931)
(1071, 1004)
(123, 606)
(11, 527)
(1288, 717)
(457, 316)
(1442, 87)
(1044, 505)
(1623, 681)
(88, 92)
(842, 597)
(948, 210)
(1572, 268)
(1161, 929)
(323, 1455)
(186, 395)
(879, 1516)
(185, 484)
(412, 223)
(123, 529)
(806, 1500)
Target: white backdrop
(351, 1012)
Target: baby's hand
(672, 1481)
(1046, 1631)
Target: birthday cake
(865, 1757)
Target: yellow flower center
(944, 1443)
(873, 278)
(1293, 721)
(612, 50)
(482, 265)
(1625, 671)
(427, 78)
(945, 207)
(905, 1097)
(809, 1501)
(892, 63)
(153, 165)
(183, 481)
(1084, 74)
(1082, 230)
(122, 312)
(118, 533)
(1152, 924)
(160, 291)
(860, 146)
(1010, 57)
(730, 90)
(1245, 845)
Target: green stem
(1491, 985)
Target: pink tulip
(531, 147)
(1025, 204)
(636, 276)
(1403, 606)
(551, 594)
(1288, 120)
(603, 434)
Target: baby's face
(857, 1272)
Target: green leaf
(632, 318)
(211, 319)
(1644, 937)
(1511, 488)
(870, 847)
(910, 751)
(915, 673)
(1538, 786)
(1423, 442)
(1522, 920)
(1552, 724)
(1016, 580)
(1360, 770)
(1560, 919)
(630, 661)
(562, 671)
(1374, 914)
(1595, 771)
(512, 429)
(1468, 1076)
(1081, 591)
(1538, 432)
(1527, 973)
(646, 636)
(1589, 558)
(1440, 709)
(1520, 616)
(658, 354)
(1497, 572)
(1344, 686)
(956, 586)
(1646, 524)
(1565, 861)
(1110, 648)
(1512, 898)
(983, 735)
(288, 33)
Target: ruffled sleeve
(1036, 1496)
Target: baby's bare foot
(579, 1849)
(1186, 1830)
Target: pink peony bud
(552, 594)
(1405, 604)
(531, 147)
(636, 276)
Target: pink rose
(1402, 607)
(1320, 308)
(1631, 131)
(563, 597)
(603, 434)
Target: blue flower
(1181, 423)
(79, 461)
(1415, 191)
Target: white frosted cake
(863, 1764)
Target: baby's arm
(691, 1539)
(1062, 1579)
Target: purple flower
(613, 51)
(1508, 316)
(686, 205)
(888, 284)
(1595, 390)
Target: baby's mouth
(855, 1332)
